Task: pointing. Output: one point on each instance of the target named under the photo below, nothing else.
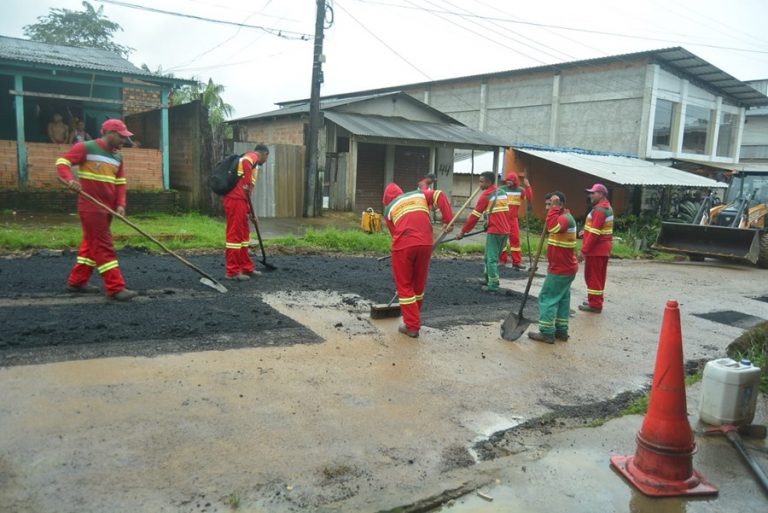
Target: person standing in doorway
(596, 248)
(555, 295)
(239, 265)
(101, 175)
(492, 204)
(515, 196)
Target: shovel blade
(215, 285)
(268, 266)
(513, 327)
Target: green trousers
(555, 304)
(494, 245)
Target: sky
(380, 43)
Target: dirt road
(283, 396)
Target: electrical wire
(573, 29)
(285, 34)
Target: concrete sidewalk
(572, 473)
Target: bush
(638, 231)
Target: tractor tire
(762, 259)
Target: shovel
(515, 325)
(206, 280)
(733, 434)
(387, 311)
(268, 267)
(470, 234)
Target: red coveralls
(407, 217)
(236, 210)
(598, 242)
(101, 175)
(515, 196)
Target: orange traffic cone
(663, 462)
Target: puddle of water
(506, 498)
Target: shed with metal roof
(39, 80)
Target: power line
(222, 43)
(285, 34)
(562, 27)
(461, 99)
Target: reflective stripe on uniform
(107, 266)
(407, 300)
(85, 175)
(234, 245)
(86, 261)
(594, 292)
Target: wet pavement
(328, 410)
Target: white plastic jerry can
(729, 392)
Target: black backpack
(224, 175)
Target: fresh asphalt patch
(175, 313)
(732, 318)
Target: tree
(210, 96)
(88, 28)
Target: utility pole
(313, 205)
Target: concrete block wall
(139, 100)
(66, 202)
(608, 126)
(9, 172)
(280, 131)
(144, 168)
(41, 165)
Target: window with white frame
(696, 126)
(662, 125)
(727, 123)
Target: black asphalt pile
(175, 313)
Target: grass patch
(753, 345)
(233, 500)
(197, 231)
(190, 231)
(638, 407)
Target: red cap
(598, 187)
(115, 125)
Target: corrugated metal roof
(746, 167)
(302, 107)
(624, 170)
(701, 71)
(76, 58)
(400, 128)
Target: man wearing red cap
(493, 203)
(236, 208)
(596, 248)
(515, 196)
(407, 217)
(101, 175)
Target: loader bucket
(709, 241)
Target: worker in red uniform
(596, 248)
(101, 174)
(237, 210)
(493, 204)
(515, 196)
(555, 295)
(407, 217)
(428, 182)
